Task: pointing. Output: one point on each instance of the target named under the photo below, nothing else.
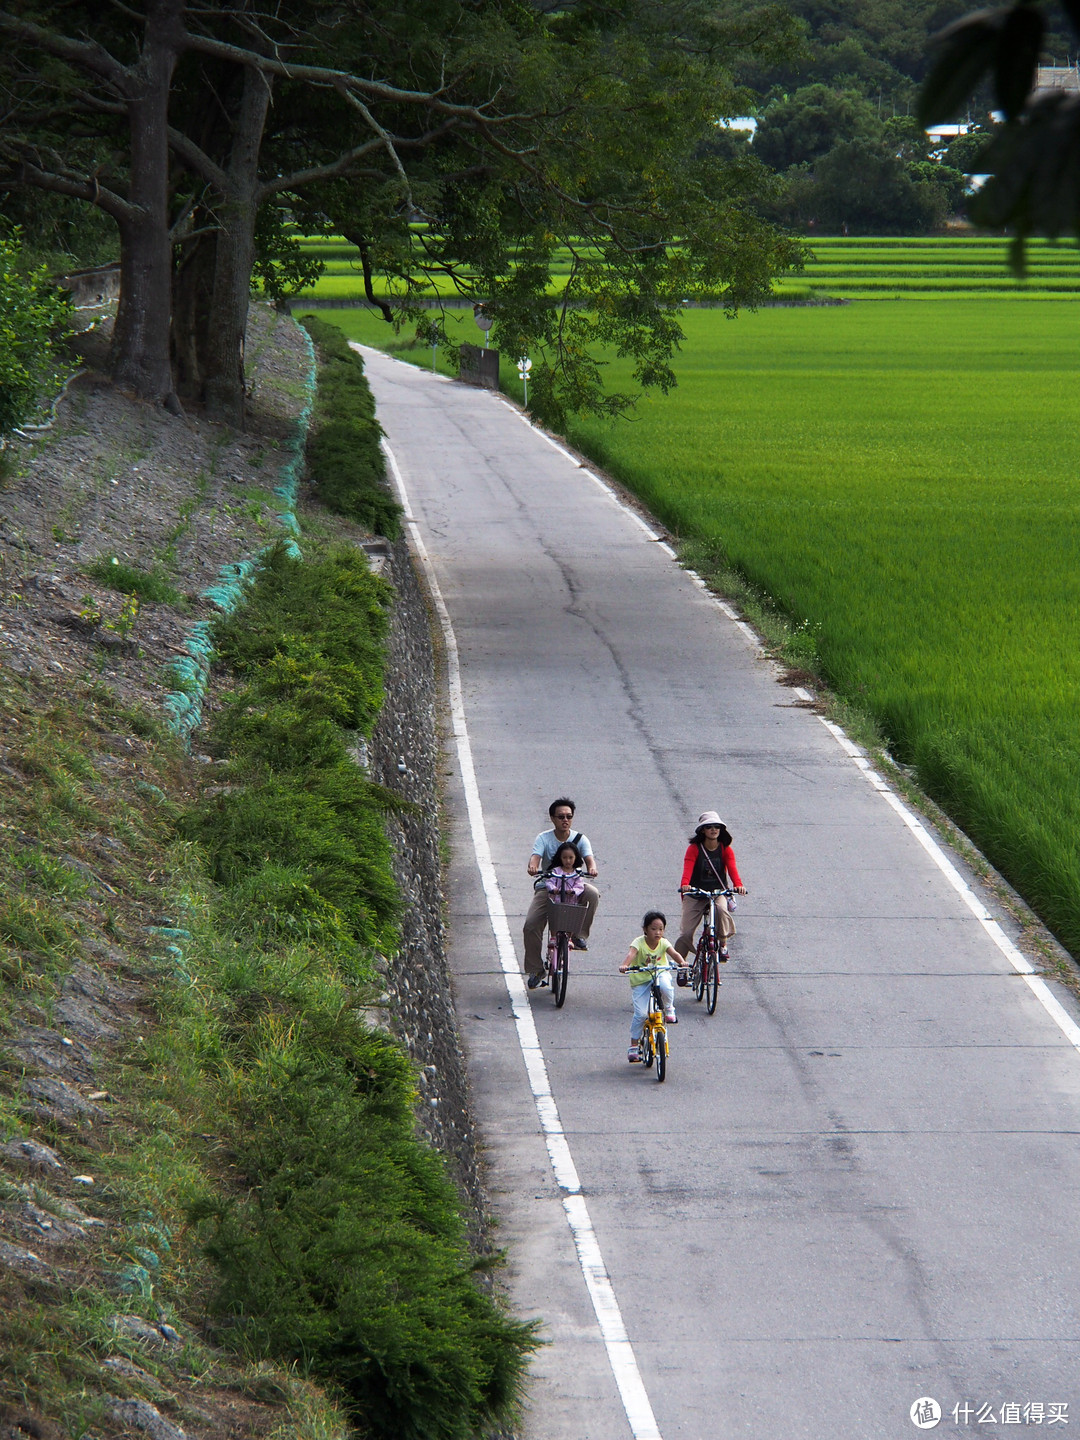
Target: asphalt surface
(859, 1184)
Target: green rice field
(869, 268)
(928, 267)
(903, 478)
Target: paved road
(860, 1183)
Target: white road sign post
(524, 366)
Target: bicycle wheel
(661, 1054)
(646, 1047)
(712, 982)
(562, 970)
(697, 974)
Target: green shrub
(279, 736)
(349, 1254)
(309, 644)
(324, 824)
(33, 315)
(316, 622)
(345, 461)
(278, 905)
(344, 1251)
(150, 587)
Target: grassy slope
(901, 478)
(252, 1144)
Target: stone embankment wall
(418, 977)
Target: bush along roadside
(345, 459)
(343, 1249)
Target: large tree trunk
(140, 357)
(223, 365)
(193, 285)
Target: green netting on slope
(183, 706)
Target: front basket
(568, 918)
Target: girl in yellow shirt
(650, 948)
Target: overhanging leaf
(1017, 56)
(968, 49)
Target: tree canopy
(462, 139)
(844, 168)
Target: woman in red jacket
(709, 864)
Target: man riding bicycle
(544, 851)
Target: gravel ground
(115, 477)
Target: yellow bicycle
(653, 1044)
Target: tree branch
(85, 54)
(384, 136)
(336, 79)
(365, 265)
(316, 173)
(197, 159)
(88, 189)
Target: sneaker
(535, 980)
(682, 976)
(577, 943)
(722, 955)
(671, 1019)
(633, 1055)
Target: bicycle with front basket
(564, 922)
(653, 1044)
(710, 952)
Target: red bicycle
(709, 953)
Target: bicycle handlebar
(693, 890)
(655, 970)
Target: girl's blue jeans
(642, 994)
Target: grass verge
(345, 459)
(346, 1249)
(97, 1251)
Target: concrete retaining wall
(418, 978)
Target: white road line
(601, 1291)
(1020, 963)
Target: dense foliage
(32, 317)
(344, 1251)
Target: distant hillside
(834, 106)
(875, 47)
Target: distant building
(1057, 77)
(942, 134)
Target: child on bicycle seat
(709, 864)
(564, 880)
(650, 948)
